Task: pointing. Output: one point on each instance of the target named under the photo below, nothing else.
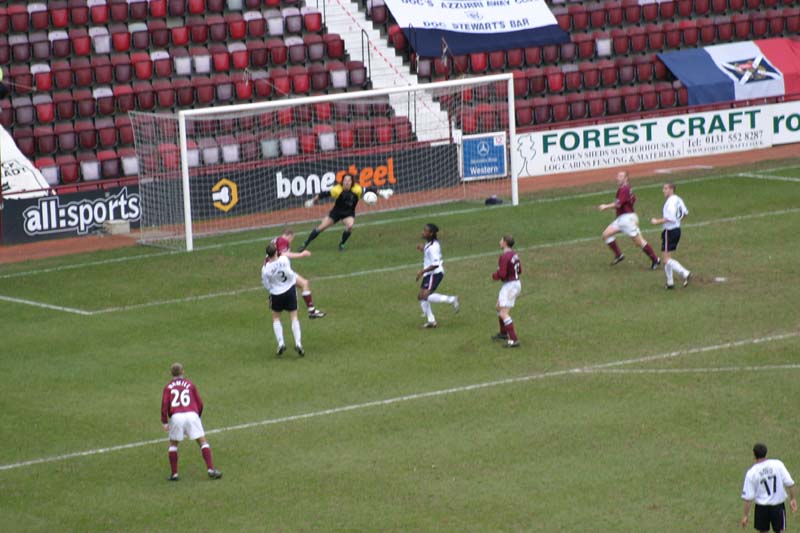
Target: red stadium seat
(577, 106)
(614, 13)
(124, 98)
(18, 14)
(542, 111)
(573, 80)
(590, 74)
(579, 17)
(680, 90)
(142, 65)
(119, 10)
(707, 29)
(515, 58)
(609, 75)
(775, 17)
(204, 89)
(258, 53)
(536, 80)
(45, 139)
(644, 68)
(66, 137)
(301, 80)
(121, 65)
(597, 15)
(42, 77)
(759, 24)
(478, 62)
(87, 135)
(65, 107)
(719, 6)
(104, 100)
(689, 32)
(81, 43)
(660, 69)
(672, 34)
(650, 12)
(521, 84)
(596, 103)
(667, 96)
(180, 35)
(724, 28)
(84, 102)
(626, 67)
(562, 17)
(144, 95)
(45, 109)
(256, 24)
(59, 15)
(613, 102)
(560, 108)
(638, 39)
(523, 112)
(555, 79)
(345, 136)
(68, 168)
(165, 93)
(632, 11)
(667, 10)
(631, 99)
(649, 97)
(185, 92)
(741, 25)
(106, 132)
(335, 45)
(792, 20)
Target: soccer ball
(370, 198)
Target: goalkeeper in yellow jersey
(346, 195)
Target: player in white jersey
(279, 279)
(432, 274)
(673, 212)
(765, 483)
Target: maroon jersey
(180, 396)
(282, 244)
(625, 200)
(509, 267)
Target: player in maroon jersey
(508, 272)
(181, 409)
(283, 244)
(626, 222)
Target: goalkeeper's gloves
(385, 193)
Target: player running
(626, 222)
(181, 409)
(279, 279)
(432, 274)
(508, 271)
(283, 243)
(671, 215)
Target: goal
(208, 171)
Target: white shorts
(508, 293)
(627, 224)
(185, 424)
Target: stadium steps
(386, 69)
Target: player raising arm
(283, 243)
(279, 279)
(432, 274)
(508, 271)
(346, 196)
(671, 216)
(181, 409)
(626, 222)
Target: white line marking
(421, 395)
(201, 248)
(236, 292)
(767, 177)
(712, 370)
(46, 306)
(673, 170)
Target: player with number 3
(279, 279)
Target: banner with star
(737, 71)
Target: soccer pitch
(627, 407)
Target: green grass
(660, 449)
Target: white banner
(658, 139)
(472, 16)
(19, 174)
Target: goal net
(232, 168)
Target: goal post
(232, 168)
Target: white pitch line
(419, 396)
(706, 370)
(209, 247)
(358, 273)
(46, 306)
(767, 177)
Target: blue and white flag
(434, 27)
(737, 71)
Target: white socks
(436, 298)
(674, 266)
(278, 329)
(296, 332)
(426, 308)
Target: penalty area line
(423, 395)
(700, 370)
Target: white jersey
(277, 275)
(432, 256)
(674, 211)
(765, 482)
